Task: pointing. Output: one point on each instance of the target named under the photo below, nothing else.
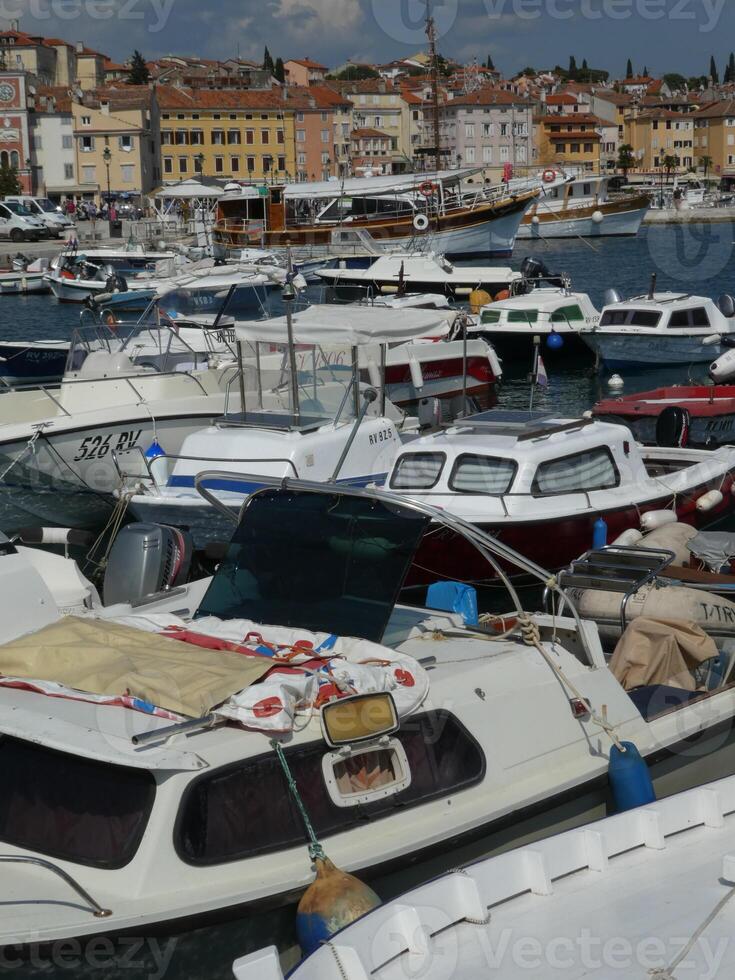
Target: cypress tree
(713, 73)
(629, 69)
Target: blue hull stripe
(238, 486)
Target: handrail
(94, 907)
(178, 457)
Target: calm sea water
(695, 258)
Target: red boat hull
(552, 544)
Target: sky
(663, 35)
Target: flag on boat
(542, 378)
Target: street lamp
(107, 157)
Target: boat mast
(431, 34)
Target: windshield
(17, 208)
(45, 205)
(322, 562)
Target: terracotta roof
(307, 63)
(58, 95)
(489, 95)
(412, 99)
(563, 98)
(638, 80)
(717, 110)
(358, 134)
(170, 97)
(616, 98)
(573, 118)
(588, 136)
(664, 114)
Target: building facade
(15, 142)
(489, 128)
(659, 133)
(52, 135)
(235, 134)
(124, 121)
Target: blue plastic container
(599, 533)
(454, 597)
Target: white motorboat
(540, 483)
(75, 275)
(336, 429)
(417, 272)
(24, 276)
(659, 329)
(638, 894)
(573, 207)
(556, 315)
(195, 838)
(58, 446)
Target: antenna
(431, 35)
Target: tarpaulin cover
(714, 548)
(660, 651)
(111, 659)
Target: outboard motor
(146, 559)
(610, 297)
(726, 305)
(533, 268)
(116, 283)
(672, 428)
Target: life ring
(549, 176)
(420, 222)
(427, 188)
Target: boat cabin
(543, 309)
(665, 312)
(516, 455)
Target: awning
(188, 190)
(348, 326)
(367, 186)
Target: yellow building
(655, 134)
(378, 104)
(125, 122)
(237, 133)
(569, 140)
(714, 139)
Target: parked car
(18, 224)
(54, 220)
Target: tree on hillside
(713, 73)
(585, 66)
(629, 69)
(675, 82)
(626, 158)
(697, 82)
(354, 73)
(573, 67)
(9, 183)
(139, 74)
(490, 63)
(645, 72)
(730, 70)
(279, 71)
(268, 61)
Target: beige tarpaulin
(660, 651)
(107, 658)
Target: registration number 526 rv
(98, 446)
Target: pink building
(371, 151)
(15, 146)
(304, 71)
(323, 122)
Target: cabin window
(245, 809)
(644, 318)
(696, 317)
(482, 474)
(523, 316)
(72, 808)
(417, 471)
(591, 470)
(490, 316)
(635, 318)
(567, 314)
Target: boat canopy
(352, 326)
(188, 190)
(366, 186)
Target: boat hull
(32, 363)
(518, 345)
(618, 351)
(555, 542)
(18, 284)
(616, 221)
(215, 938)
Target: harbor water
(690, 257)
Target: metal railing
(93, 906)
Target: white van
(52, 217)
(18, 224)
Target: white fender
(708, 501)
(654, 519)
(714, 615)
(723, 368)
